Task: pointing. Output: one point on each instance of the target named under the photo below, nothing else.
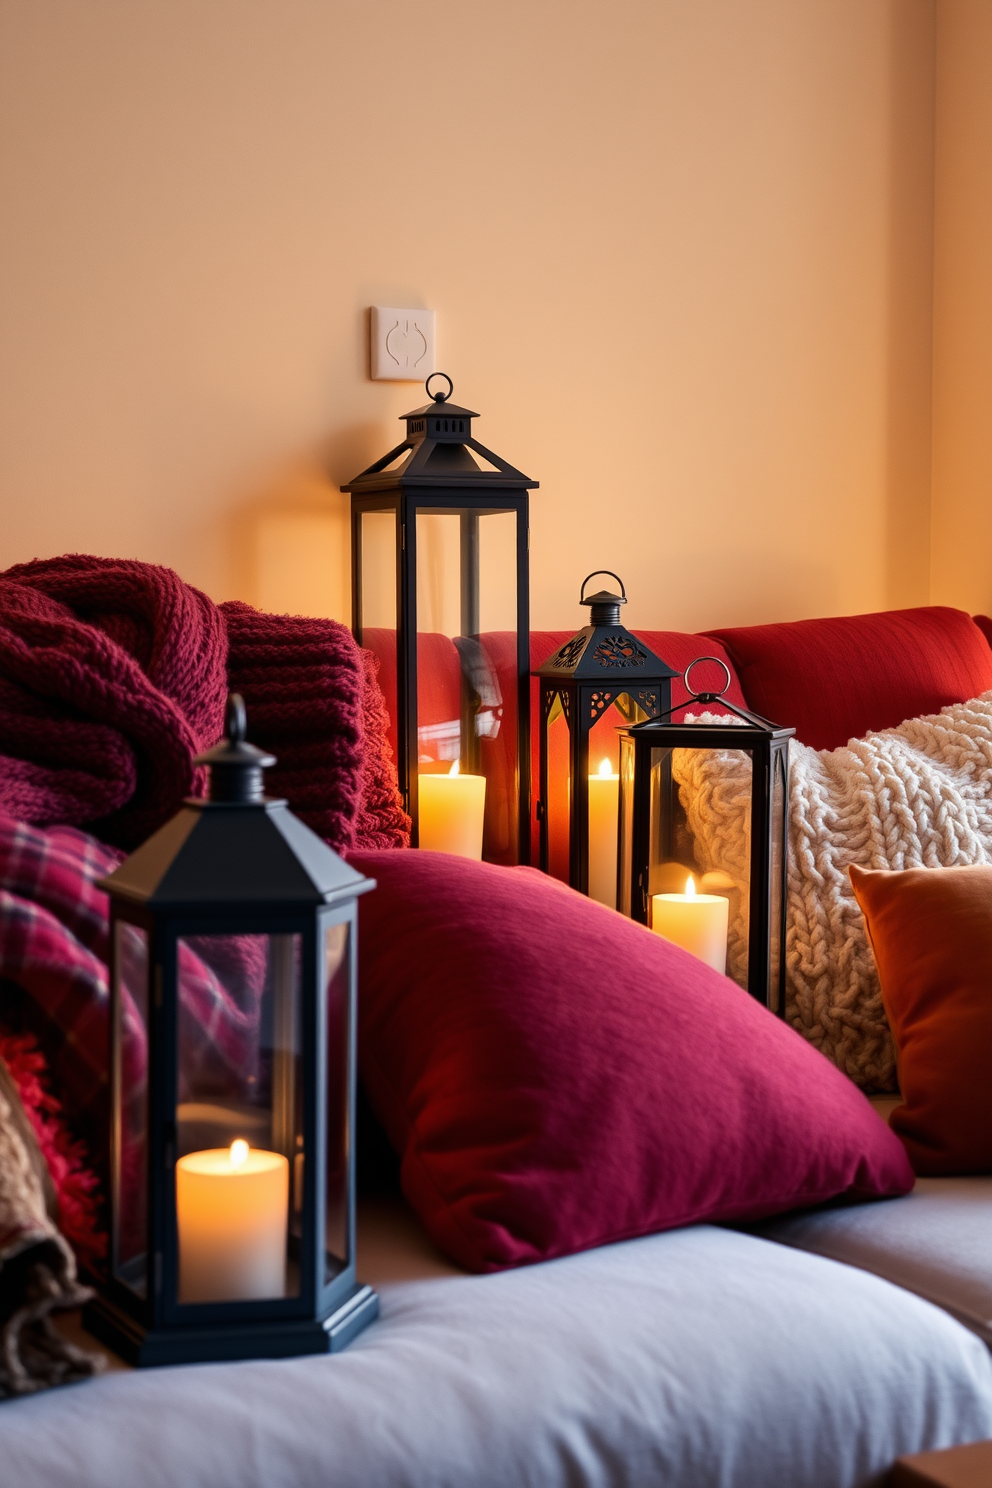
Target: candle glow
(232, 1213)
(604, 807)
(452, 811)
(696, 922)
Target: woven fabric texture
(314, 702)
(915, 796)
(836, 679)
(37, 1267)
(54, 949)
(77, 1207)
(114, 676)
(554, 1077)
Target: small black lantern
(440, 593)
(604, 667)
(233, 965)
(704, 807)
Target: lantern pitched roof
(235, 856)
(437, 452)
(605, 653)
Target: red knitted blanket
(114, 674)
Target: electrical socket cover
(402, 344)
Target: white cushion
(702, 1357)
(936, 1242)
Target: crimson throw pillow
(838, 679)
(555, 1077)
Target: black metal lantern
(233, 962)
(440, 594)
(602, 668)
(704, 817)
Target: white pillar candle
(232, 1208)
(696, 922)
(452, 812)
(604, 804)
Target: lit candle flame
(605, 770)
(239, 1152)
(454, 769)
(690, 887)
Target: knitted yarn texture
(314, 701)
(919, 795)
(114, 676)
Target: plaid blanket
(54, 948)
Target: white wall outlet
(403, 347)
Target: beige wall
(680, 252)
(962, 466)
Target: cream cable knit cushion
(919, 795)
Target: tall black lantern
(704, 808)
(440, 594)
(602, 668)
(233, 945)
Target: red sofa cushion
(984, 623)
(439, 690)
(836, 679)
(556, 1077)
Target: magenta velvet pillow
(555, 1077)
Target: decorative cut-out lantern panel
(604, 676)
(233, 963)
(703, 836)
(440, 594)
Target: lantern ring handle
(439, 397)
(598, 572)
(708, 696)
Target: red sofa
(831, 679)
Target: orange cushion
(931, 931)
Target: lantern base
(152, 1347)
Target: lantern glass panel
(239, 1174)
(559, 794)
(683, 841)
(626, 825)
(466, 657)
(378, 589)
(337, 966)
(130, 1101)
(776, 906)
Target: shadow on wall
(289, 542)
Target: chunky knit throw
(313, 700)
(114, 675)
(919, 795)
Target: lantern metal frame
(603, 664)
(281, 880)
(768, 746)
(437, 476)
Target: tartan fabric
(54, 950)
